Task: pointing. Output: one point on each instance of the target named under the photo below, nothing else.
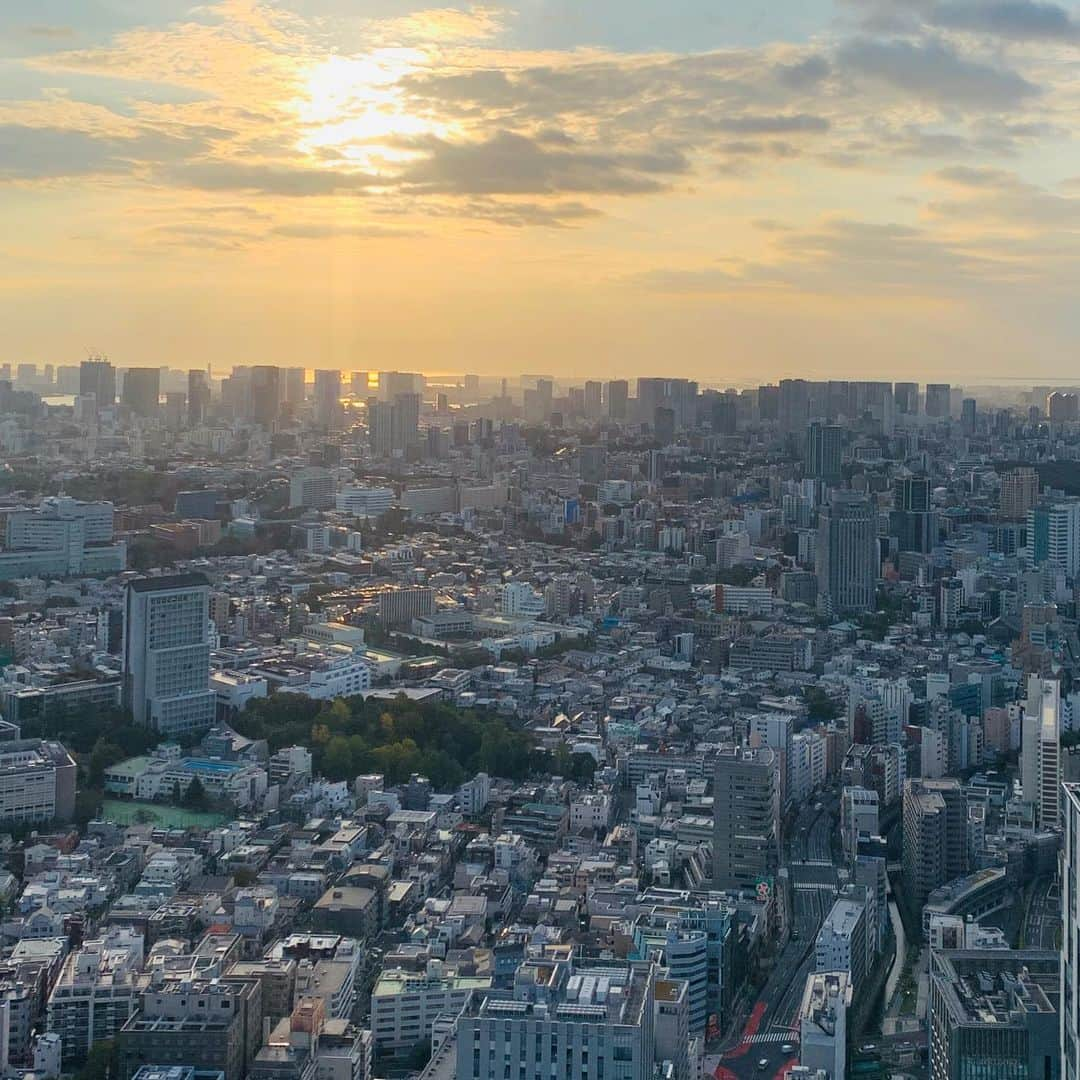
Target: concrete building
(847, 555)
(211, 1024)
(142, 391)
(1040, 760)
(746, 817)
(671, 1026)
(589, 1023)
(935, 836)
(404, 1004)
(313, 488)
(37, 782)
(1069, 1047)
(167, 654)
(98, 989)
(994, 1013)
(365, 501)
(823, 1023)
(841, 942)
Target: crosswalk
(772, 1037)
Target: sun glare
(354, 111)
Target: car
(795, 934)
(763, 1064)
(787, 1048)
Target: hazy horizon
(867, 189)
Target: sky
(726, 191)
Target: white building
(365, 501)
(520, 600)
(167, 654)
(37, 781)
(841, 941)
(1070, 932)
(859, 816)
(1040, 761)
(312, 488)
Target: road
(759, 1050)
(1042, 922)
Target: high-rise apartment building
(824, 452)
(98, 377)
(327, 400)
(938, 400)
(1040, 758)
(295, 388)
(935, 836)
(913, 521)
(167, 653)
(142, 390)
(746, 817)
(1019, 492)
(1053, 535)
(847, 555)
(594, 398)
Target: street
(759, 1048)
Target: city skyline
(818, 190)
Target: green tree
(337, 761)
(195, 798)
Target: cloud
(38, 153)
(932, 70)
(269, 179)
(512, 164)
(780, 124)
(442, 26)
(1019, 20)
(314, 231)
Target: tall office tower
(912, 521)
(994, 1013)
(167, 654)
(968, 415)
(664, 425)
(847, 555)
(618, 399)
(768, 403)
(793, 407)
(906, 398)
(720, 412)
(358, 384)
(565, 1018)
(328, 399)
(393, 383)
(938, 400)
(824, 450)
(236, 391)
(294, 388)
(142, 390)
(405, 421)
(678, 395)
(98, 377)
(1062, 408)
(265, 395)
(594, 399)
(67, 379)
(746, 817)
(198, 396)
(380, 425)
(1069, 1005)
(1040, 760)
(935, 836)
(1053, 535)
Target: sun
(353, 111)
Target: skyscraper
(906, 397)
(913, 522)
(98, 377)
(328, 399)
(593, 399)
(167, 654)
(1040, 760)
(142, 390)
(938, 400)
(266, 395)
(1019, 492)
(847, 555)
(1070, 933)
(746, 817)
(968, 415)
(198, 396)
(618, 397)
(824, 449)
(295, 388)
(1053, 535)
